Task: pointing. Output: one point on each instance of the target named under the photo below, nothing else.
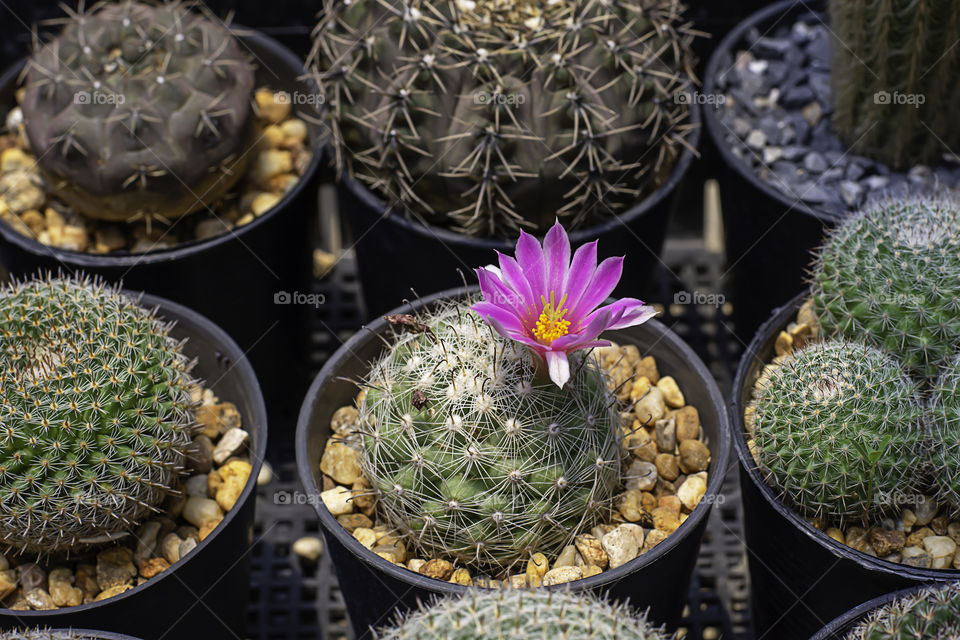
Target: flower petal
(530, 258)
(506, 318)
(497, 293)
(626, 312)
(559, 367)
(514, 278)
(579, 275)
(599, 323)
(556, 251)
(601, 285)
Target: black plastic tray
(295, 600)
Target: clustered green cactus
(494, 115)
(893, 75)
(933, 613)
(837, 428)
(890, 276)
(139, 109)
(95, 413)
(474, 454)
(945, 436)
(537, 614)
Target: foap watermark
(898, 98)
(295, 498)
(896, 498)
(695, 97)
(699, 298)
(98, 97)
(299, 298)
(498, 98)
(299, 98)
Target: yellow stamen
(551, 324)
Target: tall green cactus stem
(538, 614)
(931, 614)
(894, 68)
(490, 116)
(945, 436)
(475, 454)
(95, 414)
(838, 432)
(890, 276)
(139, 109)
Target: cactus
(95, 414)
(47, 634)
(475, 454)
(890, 276)
(837, 428)
(139, 109)
(494, 116)
(535, 614)
(933, 613)
(892, 74)
(945, 437)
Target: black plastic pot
(373, 587)
(204, 594)
(396, 253)
(231, 278)
(768, 235)
(87, 633)
(799, 577)
(838, 628)
(717, 19)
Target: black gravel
(775, 111)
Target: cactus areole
(139, 109)
(95, 414)
(477, 449)
(489, 116)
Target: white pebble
(199, 511)
(230, 443)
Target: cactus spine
(837, 428)
(495, 116)
(536, 614)
(945, 437)
(473, 456)
(95, 414)
(139, 108)
(893, 67)
(931, 614)
(890, 276)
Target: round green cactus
(95, 414)
(931, 614)
(890, 276)
(837, 428)
(139, 108)
(538, 614)
(478, 456)
(495, 116)
(945, 436)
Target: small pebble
(308, 547)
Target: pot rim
(779, 319)
(256, 423)
(81, 260)
(715, 129)
(720, 456)
(577, 237)
(844, 623)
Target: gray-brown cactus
(137, 108)
(494, 115)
